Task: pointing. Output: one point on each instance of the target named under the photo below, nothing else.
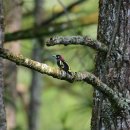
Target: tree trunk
(113, 69)
(10, 69)
(2, 106)
(36, 84)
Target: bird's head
(58, 57)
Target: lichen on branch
(76, 40)
(120, 103)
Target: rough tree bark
(36, 83)
(2, 106)
(113, 69)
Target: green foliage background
(64, 106)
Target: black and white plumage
(62, 63)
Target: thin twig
(57, 15)
(67, 16)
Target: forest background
(61, 105)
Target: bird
(62, 63)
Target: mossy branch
(120, 103)
(77, 40)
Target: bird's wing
(60, 64)
(66, 66)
